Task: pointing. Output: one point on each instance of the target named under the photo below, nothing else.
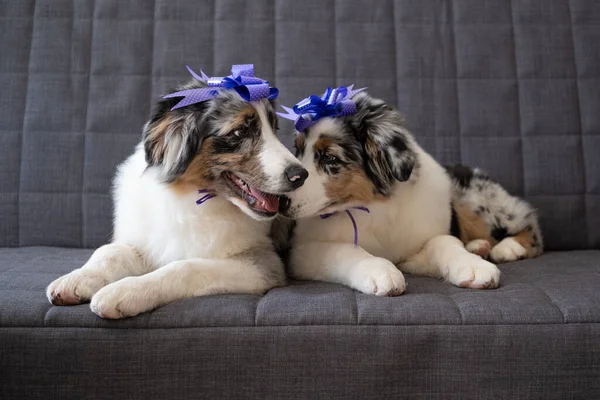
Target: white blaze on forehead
(330, 126)
(274, 156)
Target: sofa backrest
(512, 87)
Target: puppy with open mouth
(376, 204)
(193, 205)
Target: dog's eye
(330, 159)
(241, 132)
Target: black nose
(297, 175)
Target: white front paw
(481, 247)
(74, 288)
(120, 300)
(380, 277)
(471, 271)
(508, 250)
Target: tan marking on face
(157, 136)
(323, 144)
(472, 226)
(373, 151)
(349, 185)
(197, 174)
(246, 113)
(525, 239)
(300, 141)
(207, 167)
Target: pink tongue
(271, 202)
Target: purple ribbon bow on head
(242, 80)
(334, 103)
(361, 208)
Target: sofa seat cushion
(556, 288)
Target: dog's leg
(253, 272)
(481, 247)
(109, 263)
(349, 265)
(524, 244)
(445, 256)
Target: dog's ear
(388, 146)
(173, 138)
(388, 153)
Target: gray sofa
(512, 87)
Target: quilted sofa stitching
(585, 182)
(32, 17)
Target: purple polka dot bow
(242, 80)
(334, 103)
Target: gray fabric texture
(509, 86)
(512, 87)
(303, 362)
(537, 336)
(557, 288)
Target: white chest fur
(169, 226)
(396, 228)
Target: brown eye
(330, 159)
(241, 132)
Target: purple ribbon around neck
(242, 80)
(207, 196)
(324, 216)
(334, 103)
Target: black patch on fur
(191, 138)
(454, 224)
(282, 231)
(499, 233)
(399, 144)
(379, 182)
(461, 174)
(394, 160)
(231, 143)
(402, 168)
(273, 119)
(226, 144)
(333, 169)
(189, 151)
(350, 154)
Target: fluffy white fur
(165, 246)
(409, 231)
(156, 227)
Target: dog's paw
(481, 247)
(508, 250)
(471, 271)
(74, 288)
(121, 299)
(380, 277)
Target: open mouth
(262, 203)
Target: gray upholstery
(545, 290)
(537, 336)
(510, 86)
